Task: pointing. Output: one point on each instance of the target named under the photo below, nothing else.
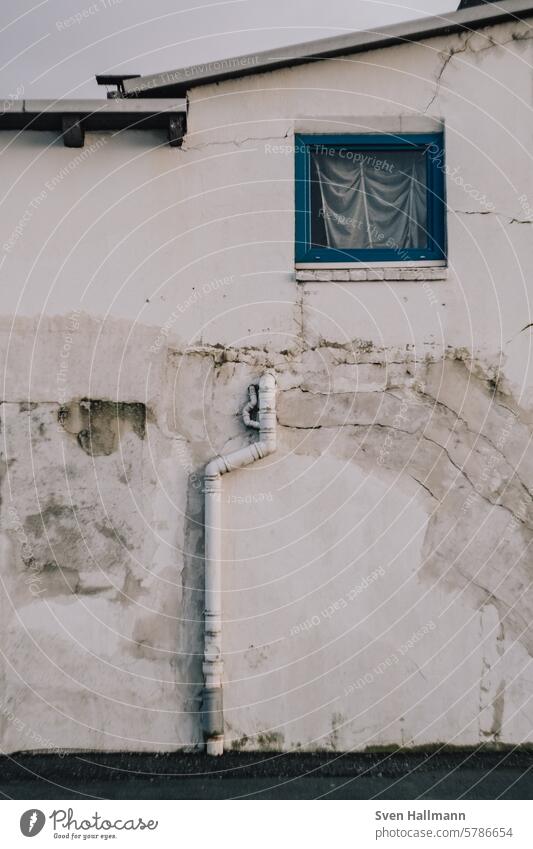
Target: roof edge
(176, 83)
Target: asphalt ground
(475, 774)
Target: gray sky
(53, 48)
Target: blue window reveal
(370, 198)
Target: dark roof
(467, 4)
(176, 83)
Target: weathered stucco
(377, 568)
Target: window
(370, 198)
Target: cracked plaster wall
(377, 568)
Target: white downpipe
(212, 666)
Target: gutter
(212, 708)
(72, 118)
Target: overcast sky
(53, 48)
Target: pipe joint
(212, 472)
(249, 407)
(213, 669)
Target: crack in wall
(509, 218)
(454, 51)
(466, 47)
(237, 143)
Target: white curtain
(365, 201)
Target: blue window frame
(394, 186)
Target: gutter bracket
(72, 130)
(177, 127)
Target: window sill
(319, 274)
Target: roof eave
(71, 118)
(176, 83)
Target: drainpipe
(213, 714)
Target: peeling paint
(98, 425)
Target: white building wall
(377, 567)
